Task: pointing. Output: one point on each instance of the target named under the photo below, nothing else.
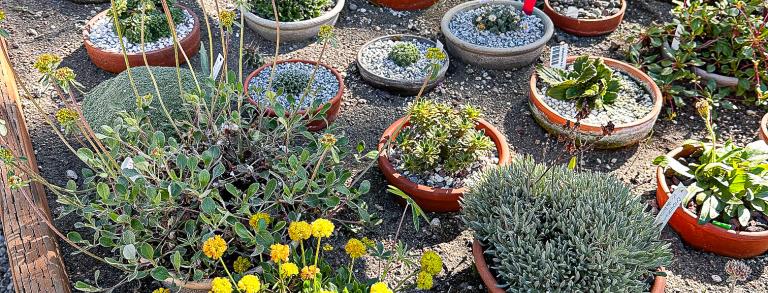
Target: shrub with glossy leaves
(550, 229)
(291, 10)
(404, 54)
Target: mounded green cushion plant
(404, 54)
(551, 229)
(291, 10)
(132, 13)
(103, 102)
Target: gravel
(324, 88)
(632, 104)
(462, 25)
(375, 59)
(103, 36)
(588, 9)
(6, 284)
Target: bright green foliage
(725, 37)
(404, 54)
(116, 95)
(439, 135)
(131, 14)
(591, 83)
(548, 229)
(291, 10)
(293, 81)
(499, 19)
(727, 182)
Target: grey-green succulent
(292, 81)
(499, 19)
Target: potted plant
(763, 132)
(586, 18)
(299, 19)
(102, 39)
(593, 96)
(545, 228)
(691, 47)
(496, 34)
(405, 4)
(396, 62)
(724, 208)
(433, 153)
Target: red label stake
(528, 6)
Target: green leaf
(572, 163)
(710, 209)
(160, 273)
(146, 251)
(85, 287)
(743, 215)
(75, 237)
(176, 261)
(243, 232)
(208, 206)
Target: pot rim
(478, 252)
(639, 77)
(440, 73)
(445, 194)
(87, 31)
(335, 100)
(590, 20)
(295, 25)
(661, 182)
(764, 128)
(549, 29)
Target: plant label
(528, 6)
(672, 204)
(439, 44)
(676, 41)
(217, 66)
(558, 56)
(572, 12)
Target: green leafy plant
(132, 14)
(404, 54)
(591, 83)
(292, 81)
(291, 10)
(725, 183)
(721, 36)
(439, 135)
(546, 228)
(499, 19)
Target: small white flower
(492, 17)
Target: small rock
(353, 6)
(435, 223)
(32, 32)
(751, 113)
(71, 175)
(613, 161)
(717, 278)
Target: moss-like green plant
(293, 81)
(548, 229)
(131, 12)
(499, 19)
(591, 83)
(440, 135)
(404, 54)
(115, 95)
(291, 10)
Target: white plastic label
(558, 56)
(572, 12)
(676, 41)
(669, 208)
(439, 45)
(217, 66)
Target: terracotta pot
(764, 128)
(335, 102)
(429, 198)
(405, 4)
(494, 58)
(708, 237)
(659, 282)
(408, 87)
(623, 134)
(114, 61)
(293, 31)
(585, 27)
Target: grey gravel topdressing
(633, 103)
(588, 9)
(102, 35)
(324, 88)
(375, 58)
(462, 25)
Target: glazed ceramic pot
(293, 31)
(585, 27)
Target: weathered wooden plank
(33, 252)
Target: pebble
(324, 88)
(717, 279)
(462, 25)
(588, 9)
(103, 36)
(352, 6)
(375, 58)
(71, 175)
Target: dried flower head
(221, 285)
(380, 287)
(328, 140)
(214, 247)
(703, 108)
(6, 155)
(309, 272)
(424, 281)
(737, 270)
(241, 265)
(327, 247)
(299, 231)
(279, 252)
(435, 54)
(227, 18)
(322, 228)
(254, 220)
(66, 117)
(288, 269)
(16, 182)
(45, 63)
(249, 284)
(431, 263)
(325, 33)
(355, 248)
(64, 74)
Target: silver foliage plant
(550, 229)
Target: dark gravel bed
(42, 26)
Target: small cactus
(404, 54)
(293, 81)
(499, 19)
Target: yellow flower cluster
(435, 54)
(66, 116)
(161, 290)
(6, 155)
(279, 252)
(355, 248)
(45, 63)
(254, 220)
(241, 265)
(325, 33)
(288, 269)
(380, 287)
(424, 281)
(299, 231)
(328, 140)
(322, 228)
(221, 285)
(431, 263)
(214, 247)
(327, 247)
(64, 74)
(2, 15)
(227, 18)
(249, 284)
(309, 272)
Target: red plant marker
(528, 6)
